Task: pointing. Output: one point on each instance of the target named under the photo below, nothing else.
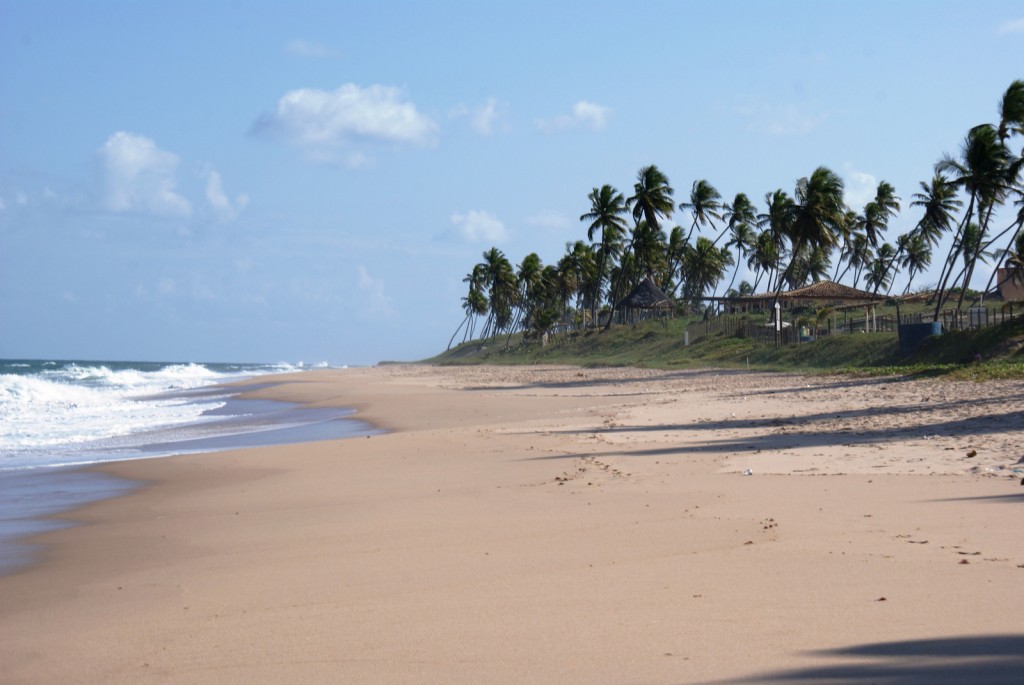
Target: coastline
(38, 498)
(546, 525)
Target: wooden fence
(978, 317)
(763, 332)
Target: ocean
(57, 416)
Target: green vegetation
(659, 344)
(794, 242)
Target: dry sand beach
(552, 525)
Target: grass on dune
(659, 344)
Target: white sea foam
(51, 412)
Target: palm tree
(811, 265)
(856, 250)
(878, 212)
(971, 253)
(879, 273)
(740, 211)
(743, 240)
(1011, 122)
(740, 218)
(649, 251)
(580, 267)
(704, 265)
(764, 259)
(917, 256)
(607, 208)
(819, 216)
(500, 282)
(1015, 241)
(776, 223)
(1015, 260)
(861, 256)
(529, 281)
(674, 257)
(561, 282)
(940, 204)
(818, 264)
(652, 197)
(982, 171)
(938, 198)
(704, 206)
(1011, 111)
(474, 303)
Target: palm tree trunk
(976, 252)
(910, 279)
(734, 272)
(797, 247)
(840, 277)
(690, 234)
(999, 263)
(600, 279)
(888, 266)
(757, 279)
(981, 298)
(452, 339)
(618, 282)
(725, 229)
(836, 276)
(954, 254)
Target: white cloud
(322, 121)
(591, 115)
(21, 199)
(375, 300)
(586, 114)
(225, 208)
(305, 48)
(167, 286)
(140, 177)
(3, 205)
(476, 226)
(483, 118)
(548, 219)
(859, 189)
(1012, 26)
(781, 120)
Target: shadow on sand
(991, 659)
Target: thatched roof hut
(647, 295)
(820, 294)
(645, 300)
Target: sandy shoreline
(557, 525)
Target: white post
(778, 324)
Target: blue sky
(310, 181)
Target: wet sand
(557, 525)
